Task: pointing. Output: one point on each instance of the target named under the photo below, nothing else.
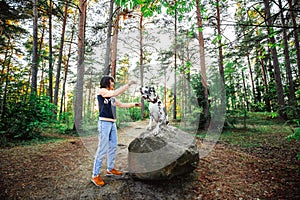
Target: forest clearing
(256, 163)
(231, 67)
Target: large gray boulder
(170, 153)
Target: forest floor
(252, 166)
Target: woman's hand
(132, 82)
(138, 104)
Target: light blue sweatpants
(108, 141)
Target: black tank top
(107, 107)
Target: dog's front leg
(161, 121)
(157, 128)
(161, 118)
(149, 127)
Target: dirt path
(62, 170)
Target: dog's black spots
(157, 110)
(152, 89)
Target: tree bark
(279, 87)
(251, 76)
(66, 68)
(50, 88)
(39, 56)
(108, 39)
(203, 65)
(115, 44)
(34, 68)
(175, 67)
(142, 64)
(80, 66)
(62, 39)
(245, 100)
(221, 67)
(5, 79)
(264, 75)
(287, 59)
(296, 35)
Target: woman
(107, 130)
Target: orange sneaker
(113, 172)
(97, 180)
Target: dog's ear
(152, 89)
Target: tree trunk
(264, 76)
(296, 35)
(142, 64)
(165, 88)
(34, 68)
(251, 76)
(42, 39)
(50, 88)
(89, 99)
(39, 56)
(62, 100)
(245, 100)
(41, 83)
(108, 40)
(266, 86)
(188, 77)
(62, 39)
(279, 87)
(184, 92)
(5, 79)
(80, 66)
(272, 91)
(175, 67)
(221, 67)
(115, 44)
(287, 60)
(203, 66)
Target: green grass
(261, 130)
(44, 139)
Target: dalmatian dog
(157, 110)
